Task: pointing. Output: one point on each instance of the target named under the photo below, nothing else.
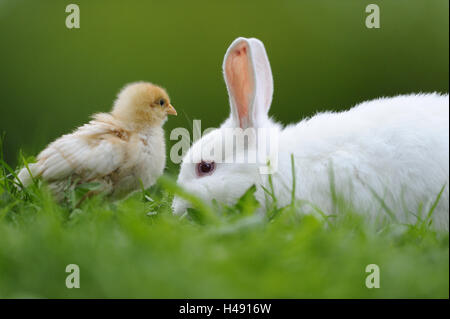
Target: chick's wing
(93, 151)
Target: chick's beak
(171, 110)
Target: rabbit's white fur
(391, 149)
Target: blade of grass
(16, 180)
(436, 202)
(2, 138)
(293, 180)
(383, 205)
(331, 177)
(25, 162)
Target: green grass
(137, 248)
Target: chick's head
(143, 104)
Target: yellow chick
(117, 150)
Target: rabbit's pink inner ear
(240, 80)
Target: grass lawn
(136, 248)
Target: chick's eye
(205, 168)
(162, 102)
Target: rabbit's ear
(249, 82)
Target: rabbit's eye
(205, 168)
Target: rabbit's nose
(179, 206)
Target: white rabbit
(394, 150)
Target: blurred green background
(322, 57)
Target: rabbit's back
(396, 149)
